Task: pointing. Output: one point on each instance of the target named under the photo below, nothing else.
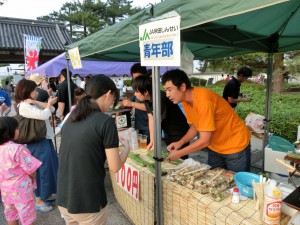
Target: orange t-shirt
(210, 112)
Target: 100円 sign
(160, 42)
(128, 178)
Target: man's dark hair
(137, 68)
(178, 77)
(149, 72)
(142, 84)
(64, 73)
(245, 72)
(8, 126)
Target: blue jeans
(236, 162)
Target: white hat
(36, 78)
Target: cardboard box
(271, 165)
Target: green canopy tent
(120, 41)
(211, 29)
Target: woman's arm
(28, 110)
(33, 112)
(115, 159)
(44, 105)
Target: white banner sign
(128, 178)
(160, 42)
(32, 46)
(75, 58)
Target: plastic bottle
(272, 204)
(235, 195)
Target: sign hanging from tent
(75, 58)
(32, 46)
(160, 42)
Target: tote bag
(30, 130)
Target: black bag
(30, 130)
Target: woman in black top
(89, 137)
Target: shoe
(44, 208)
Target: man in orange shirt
(220, 128)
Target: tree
(89, 16)
(292, 63)
(118, 10)
(230, 64)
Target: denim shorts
(240, 161)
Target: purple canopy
(53, 67)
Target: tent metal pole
(268, 104)
(69, 84)
(157, 142)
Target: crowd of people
(78, 182)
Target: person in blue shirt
(5, 103)
(141, 117)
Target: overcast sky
(31, 9)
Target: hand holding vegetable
(173, 155)
(174, 146)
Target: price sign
(128, 178)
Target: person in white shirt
(82, 83)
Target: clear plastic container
(235, 196)
(272, 203)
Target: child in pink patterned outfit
(17, 172)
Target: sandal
(44, 208)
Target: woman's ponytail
(96, 87)
(84, 107)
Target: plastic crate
(280, 144)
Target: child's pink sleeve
(26, 161)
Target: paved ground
(116, 214)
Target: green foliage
(90, 16)
(118, 10)
(197, 81)
(128, 83)
(285, 108)
(256, 61)
(7, 78)
(292, 62)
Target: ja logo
(145, 36)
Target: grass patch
(285, 108)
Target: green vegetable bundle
(164, 155)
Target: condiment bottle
(235, 195)
(272, 204)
